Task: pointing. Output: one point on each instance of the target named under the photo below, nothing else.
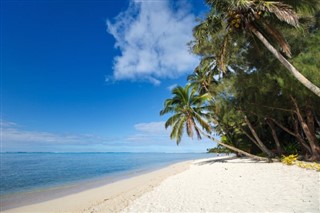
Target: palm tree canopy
(232, 16)
(203, 76)
(189, 109)
(235, 16)
(232, 26)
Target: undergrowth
(292, 160)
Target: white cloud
(12, 135)
(154, 133)
(152, 37)
(148, 137)
(4, 124)
(152, 127)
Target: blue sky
(93, 75)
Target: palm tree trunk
(296, 134)
(312, 139)
(275, 137)
(255, 135)
(316, 118)
(313, 88)
(310, 122)
(252, 139)
(234, 148)
(300, 139)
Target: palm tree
(203, 76)
(191, 112)
(231, 17)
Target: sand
(111, 197)
(209, 185)
(234, 186)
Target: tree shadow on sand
(233, 159)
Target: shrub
(292, 160)
(289, 160)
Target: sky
(92, 76)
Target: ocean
(27, 172)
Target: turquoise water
(21, 172)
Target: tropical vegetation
(242, 90)
(293, 160)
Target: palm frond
(179, 132)
(172, 120)
(209, 117)
(204, 124)
(218, 4)
(168, 107)
(283, 12)
(281, 41)
(240, 4)
(212, 24)
(199, 100)
(221, 60)
(304, 7)
(197, 131)
(180, 94)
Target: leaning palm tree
(230, 18)
(191, 113)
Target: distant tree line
(219, 149)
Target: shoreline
(43, 194)
(50, 192)
(215, 184)
(104, 188)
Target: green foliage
(219, 149)
(291, 148)
(238, 76)
(189, 110)
(307, 61)
(261, 154)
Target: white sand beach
(234, 186)
(209, 185)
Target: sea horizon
(70, 152)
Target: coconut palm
(230, 18)
(201, 79)
(188, 108)
(203, 76)
(191, 113)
